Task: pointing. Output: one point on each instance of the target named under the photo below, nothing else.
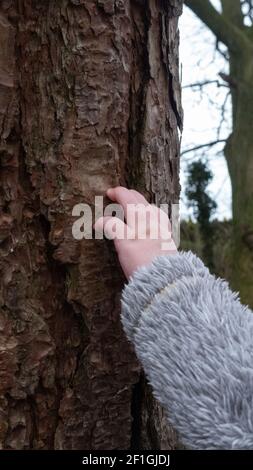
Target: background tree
(199, 177)
(233, 27)
(89, 98)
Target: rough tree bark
(229, 28)
(89, 98)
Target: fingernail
(109, 192)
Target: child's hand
(132, 239)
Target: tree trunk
(89, 98)
(239, 156)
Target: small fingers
(140, 216)
(126, 196)
(140, 199)
(112, 227)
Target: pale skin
(136, 252)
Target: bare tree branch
(224, 30)
(223, 115)
(206, 82)
(198, 147)
(228, 79)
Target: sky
(202, 111)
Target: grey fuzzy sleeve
(195, 342)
